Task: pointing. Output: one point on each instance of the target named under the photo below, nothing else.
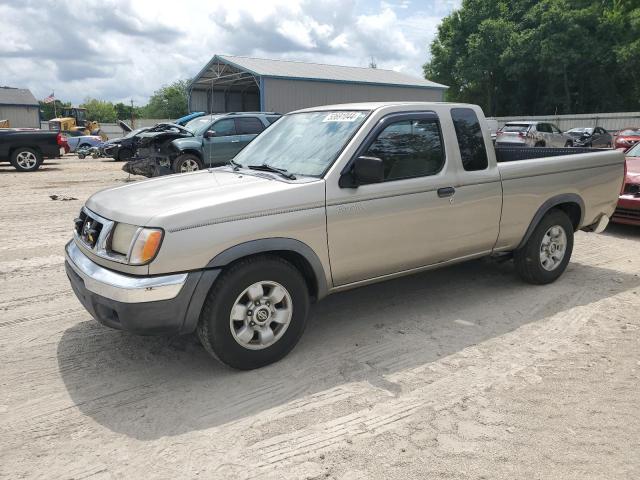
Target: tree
(48, 112)
(540, 56)
(170, 101)
(100, 110)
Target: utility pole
(55, 112)
(133, 125)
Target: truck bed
(593, 175)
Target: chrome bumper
(121, 287)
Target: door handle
(446, 192)
(235, 141)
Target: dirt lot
(460, 373)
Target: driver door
(218, 149)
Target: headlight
(122, 238)
(145, 246)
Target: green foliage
(47, 110)
(169, 101)
(540, 56)
(100, 110)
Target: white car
(532, 134)
(83, 141)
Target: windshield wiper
(269, 168)
(235, 165)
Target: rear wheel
(187, 163)
(539, 144)
(568, 144)
(26, 159)
(255, 313)
(547, 252)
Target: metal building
(230, 84)
(20, 107)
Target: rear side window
(409, 149)
(514, 127)
(273, 118)
(470, 139)
(248, 125)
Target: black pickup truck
(25, 149)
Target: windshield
(513, 127)
(634, 151)
(303, 143)
(630, 132)
(199, 125)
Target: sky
(121, 50)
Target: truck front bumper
(165, 304)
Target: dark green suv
(216, 139)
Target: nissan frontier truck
(328, 199)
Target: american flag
(49, 99)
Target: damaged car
(206, 141)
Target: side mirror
(209, 134)
(364, 170)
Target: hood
(633, 170)
(178, 201)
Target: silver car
(532, 134)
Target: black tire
(19, 164)
(124, 155)
(214, 327)
(539, 144)
(528, 258)
(187, 158)
(569, 144)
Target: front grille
(627, 213)
(88, 229)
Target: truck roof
(378, 105)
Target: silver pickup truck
(328, 199)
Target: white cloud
(118, 49)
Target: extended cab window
(248, 125)
(224, 128)
(470, 139)
(409, 148)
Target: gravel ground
(461, 373)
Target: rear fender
(565, 198)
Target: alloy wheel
(261, 315)
(553, 248)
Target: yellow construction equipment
(74, 122)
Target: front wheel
(255, 313)
(26, 159)
(547, 252)
(187, 163)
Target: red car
(628, 209)
(627, 137)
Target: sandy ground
(461, 373)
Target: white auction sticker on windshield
(342, 117)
